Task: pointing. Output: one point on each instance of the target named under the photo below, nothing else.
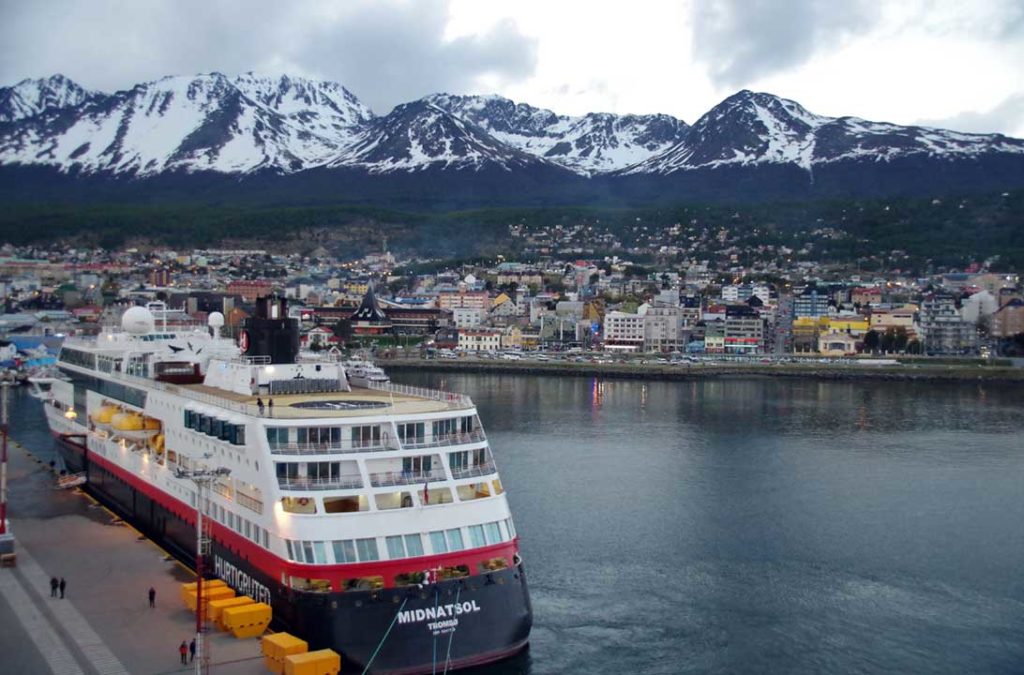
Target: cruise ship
(372, 519)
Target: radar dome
(138, 321)
(215, 320)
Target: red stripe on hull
(274, 566)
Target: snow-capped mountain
(203, 123)
(29, 98)
(588, 144)
(471, 147)
(750, 129)
(418, 136)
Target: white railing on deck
(338, 483)
(386, 478)
(475, 436)
(451, 399)
(485, 469)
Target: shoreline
(816, 371)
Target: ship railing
(485, 469)
(249, 502)
(382, 445)
(452, 400)
(251, 360)
(414, 443)
(328, 483)
(386, 478)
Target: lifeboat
(157, 444)
(135, 426)
(105, 415)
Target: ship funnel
(270, 332)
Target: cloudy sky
(953, 63)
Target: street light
(202, 479)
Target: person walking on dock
(183, 652)
(192, 650)
(53, 587)
(259, 404)
(152, 597)
(62, 585)
(270, 407)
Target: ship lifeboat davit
(105, 415)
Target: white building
(624, 331)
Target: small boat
(363, 373)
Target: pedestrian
(53, 587)
(259, 404)
(192, 650)
(183, 652)
(270, 407)
(63, 584)
(152, 597)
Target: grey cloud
(1007, 117)
(385, 51)
(742, 40)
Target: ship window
(288, 544)
(248, 530)
(436, 496)
(445, 427)
(307, 551)
(455, 539)
(277, 436)
(319, 552)
(498, 489)
(216, 427)
(412, 432)
(473, 491)
(493, 565)
(367, 549)
(239, 436)
(493, 535)
(344, 551)
(458, 460)
(414, 545)
(298, 504)
(364, 584)
(409, 579)
(438, 544)
(365, 437)
(453, 572)
(511, 529)
(476, 536)
(346, 504)
(393, 500)
(266, 539)
(396, 547)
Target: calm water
(756, 526)
(763, 526)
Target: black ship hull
(400, 631)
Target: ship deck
(404, 401)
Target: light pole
(202, 479)
(4, 388)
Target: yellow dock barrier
(320, 662)
(209, 595)
(248, 620)
(207, 583)
(278, 646)
(215, 610)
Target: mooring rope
(386, 633)
(448, 656)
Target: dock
(104, 625)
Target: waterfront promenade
(934, 370)
(104, 626)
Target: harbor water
(753, 525)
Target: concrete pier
(104, 625)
